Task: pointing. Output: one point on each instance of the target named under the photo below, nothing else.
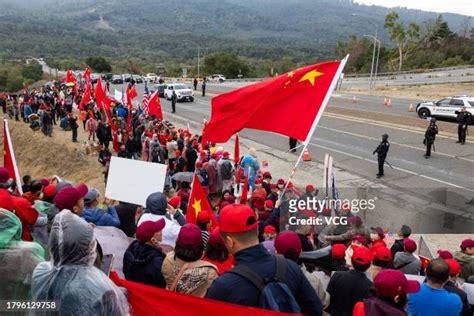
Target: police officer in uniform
(382, 151)
(203, 86)
(430, 136)
(174, 99)
(464, 118)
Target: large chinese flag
(154, 106)
(153, 301)
(86, 97)
(9, 160)
(287, 104)
(87, 76)
(198, 202)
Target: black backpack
(275, 295)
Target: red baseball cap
(198, 164)
(338, 251)
(467, 243)
(454, 267)
(267, 174)
(409, 244)
(445, 254)
(269, 230)
(189, 236)
(49, 190)
(67, 197)
(4, 175)
(383, 254)
(287, 240)
(309, 188)
(237, 218)
(359, 238)
(258, 181)
(390, 283)
(175, 201)
(204, 217)
(290, 185)
(226, 154)
(362, 255)
(379, 231)
(269, 203)
(6, 200)
(215, 239)
(147, 229)
(281, 181)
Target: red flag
(9, 160)
(70, 77)
(154, 106)
(236, 149)
(86, 97)
(25, 87)
(245, 190)
(288, 104)
(101, 98)
(87, 76)
(130, 95)
(198, 202)
(153, 301)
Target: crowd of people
(240, 251)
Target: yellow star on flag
(311, 76)
(197, 206)
(291, 74)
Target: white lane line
(398, 144)
(394, 167)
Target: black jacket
(431, 132)
(463, 118)
(452, 288)
(346, 289)
(233, 288)
(126, 214)
(397, 247)
(382, 149)
(142, 263)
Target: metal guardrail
(414, 71)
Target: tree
(32, 71)
(401, 36)
(98, 64)
(230, 65)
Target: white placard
(133, 181)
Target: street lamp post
(375, 62)
(373, 68)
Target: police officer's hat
(385, 136)
(433, 120)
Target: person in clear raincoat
(18, 258)
(70, 278)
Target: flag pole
(316, 120)
(12, 155)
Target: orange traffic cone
(306, 156)
(385, 101)
(389, 103)
(411, 108)
(354, 100)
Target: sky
(465, 7)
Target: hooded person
(71, 277)
(391, 287)
(249, 163)
(157, 207)
(143, 259)
(183, 269)
(18, 258)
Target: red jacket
(27, 215)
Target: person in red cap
(382, 260)
(257, 199)
(203, 220)
(28, 216)
(338, 257)
(349, 287)
(183, 269)
(144, 257)
(269, 234)
(288, 244)
(71, 198)
(217, 254)
(377, 236)
(465, 257)
(406, 261)
(267, 181)
(310, 193)
(391, 297)
(239, 229)
(267, 210)
(48, 193)
(433, 299)
(452, 287)
(445, 254)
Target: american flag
(145, 99)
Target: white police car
(445, 108)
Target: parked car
(151, 77)
(107, 76)
(127, 77)
(445, 108)
(183, 92)
(117, 79)
(161, 90)
(137, 78)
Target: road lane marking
(394, 167)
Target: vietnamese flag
(198, 202)
(9, 160)
(290, 104)
(153, 301)
(154, 106)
